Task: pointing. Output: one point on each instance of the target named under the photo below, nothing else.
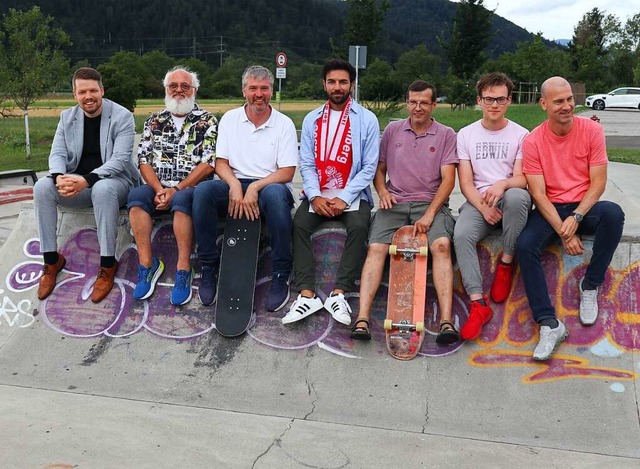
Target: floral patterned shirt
(173, 152)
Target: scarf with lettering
(333, 155)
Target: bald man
(565, 163)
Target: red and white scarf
(333, 158)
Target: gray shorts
(385, 222)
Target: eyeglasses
(418, 103)
(182, 86)
(502, 100)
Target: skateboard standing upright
(237, 278)
(404, 326)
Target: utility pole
(221, 50)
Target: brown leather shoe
(104, 283)
(48, 279)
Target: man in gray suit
(90, 165)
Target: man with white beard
(176, 152)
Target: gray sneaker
(549, 341)
(588, 306)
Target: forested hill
(253, 29)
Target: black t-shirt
(90, 158)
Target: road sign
(281, 72)
(281, 60)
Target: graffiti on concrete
(506, 341)
(616, 331)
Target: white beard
(179, 107)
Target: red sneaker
(502, 282)
(479, 315)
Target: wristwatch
(577, 217)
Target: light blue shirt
(365, 135)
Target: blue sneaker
(181, 292)
(208, 289)
(147, 279)
(278, 292)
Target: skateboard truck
(408, 254)
(403, 326)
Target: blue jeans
(211, 202)
(142, 196)
(605, 220)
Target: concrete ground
(149, 385)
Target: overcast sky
(556, 19)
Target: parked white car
(620, 97)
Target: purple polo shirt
(414, 161)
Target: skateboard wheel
(420, 326)
(393, 249)
(423, 251)
(388, 324)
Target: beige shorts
(385, 222)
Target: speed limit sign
(281, 59)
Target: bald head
(553, 82)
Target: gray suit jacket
(117, 131)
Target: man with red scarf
(338, 159)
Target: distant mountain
(251, 29)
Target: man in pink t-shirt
(491, 179)
(419, 157)
(565, 163)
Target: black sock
(550, 322)
(50, 257)
(481, 301)
(588, 286)
(107, 261)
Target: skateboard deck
(237, 278)
(404, 325)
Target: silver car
(620, 97)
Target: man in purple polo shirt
(419, 157)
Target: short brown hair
(494, 79)
(421, 85)
(86, 73)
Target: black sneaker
(208, 289)
(278, 292)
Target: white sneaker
(339, 308)
(301, 308)
(588, 306)
(549, 341)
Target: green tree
(32, 61)
(378, 82)
(417, 64)
(123, 77)
(470, 36)
(156, 65)
(364, 21)
(589, 49)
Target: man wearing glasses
(176, 152)
(419, 157)
(491, 179)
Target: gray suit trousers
(106, 197)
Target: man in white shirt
(491, 179)
(256, 158)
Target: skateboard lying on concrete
(404, 326)
(237, 278)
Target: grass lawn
(12, 141)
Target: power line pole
(221, 51)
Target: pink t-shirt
(414, 161)
(492, 153)
(565, 161)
